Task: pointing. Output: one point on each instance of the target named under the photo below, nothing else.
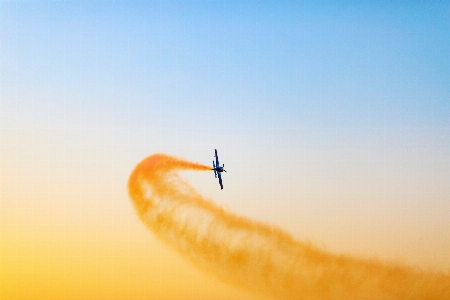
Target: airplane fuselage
(218, 169)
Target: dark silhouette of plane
(218, 169)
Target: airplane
(218, 169)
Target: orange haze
(259, 257)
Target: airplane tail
(214, 168)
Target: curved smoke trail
(258, 256)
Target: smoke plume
(260, 257)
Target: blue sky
(237, 57)
(208, 69)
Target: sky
(333, 121)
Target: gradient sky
(333, 121)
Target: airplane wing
(220, 180)
(217, 158)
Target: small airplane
(218, 169)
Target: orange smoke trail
(258, 256)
